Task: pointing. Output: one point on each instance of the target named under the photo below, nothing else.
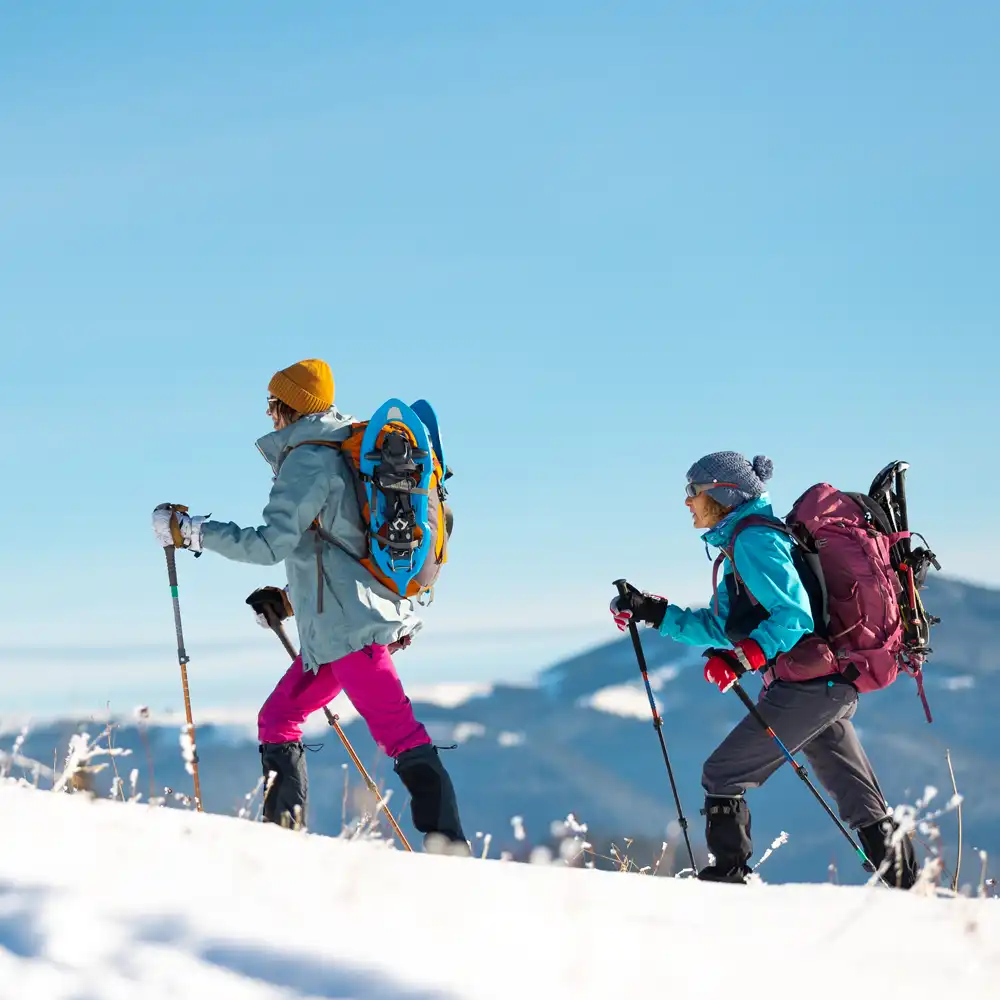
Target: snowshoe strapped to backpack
(859, 547)
(399, 476)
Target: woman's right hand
(273, 599)
(638, 606)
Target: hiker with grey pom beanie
(769, 601)
(737, 479)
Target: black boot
(432, 800)
(902, 870)
(285, 801)
(727, 833)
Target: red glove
(726, 666)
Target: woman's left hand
(172, 525)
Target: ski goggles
(693, 489)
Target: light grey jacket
(312, 481)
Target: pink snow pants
(369, 680)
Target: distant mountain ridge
(581, 741)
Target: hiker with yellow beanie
(349, 623)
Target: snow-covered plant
(269, 780)
(987, 886)
(487, 839)
(571, 837)
(660, 857)
(141, 714)
(245, 809)
(78, 771)
(368, 805)
(37, 770)
(778, 841)
(188, 749)
(15, 752)
(918, 823)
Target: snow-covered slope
(581, 741)
(110, 901)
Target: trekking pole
(183, 659)
(279, 631)
(657, 721)
(372, 787)
(797, 767)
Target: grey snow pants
(811, 716)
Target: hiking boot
(717, 873)
(432, 800)
(901, 868)
(285, 800)
(727, 833)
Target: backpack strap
(320, 533)
(335, 445)
(753, 521)
(715, 580)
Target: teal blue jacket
(311, 481)
(764, 558)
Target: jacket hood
(720, 536)
(330, 425)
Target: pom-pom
(764, 467)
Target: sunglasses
(272, 402)
(693, 489)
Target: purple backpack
(875, 625)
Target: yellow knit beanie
(307, 387)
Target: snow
(113, 901)
(962, 682)
(465, 731)
(506, 738)
(630, 700)
(663, 675)
(626, 700)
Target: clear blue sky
(603, 238)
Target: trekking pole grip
(633, 631)
(168, 551)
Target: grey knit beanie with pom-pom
(748, 478)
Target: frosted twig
(782, 838)
(142, 717)
(271, 775)
(343, 804)
(109, 732)
(188, 749)
(28, 764)
(954, 787)
(244, 810)
(15, 752)
(984, 858)
(659, 860)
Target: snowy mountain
(580, 741)
(109, 900)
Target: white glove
(173, 526)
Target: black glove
(638, 606)
(272, 600)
